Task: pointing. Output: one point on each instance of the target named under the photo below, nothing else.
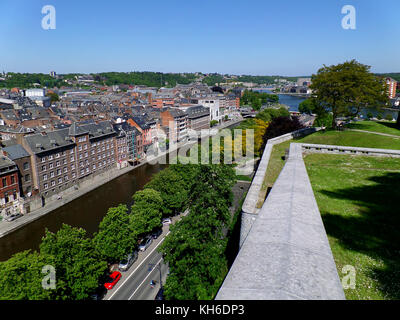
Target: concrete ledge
(322, 148)
(249, 208)
(286, 254)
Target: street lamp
(151, 266)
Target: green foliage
(324, 120)
(257, 99)
(389, 117)
(115, 237)
(53, 97)
(151, 79)
(269, 114)
(370, 115)
(26, 80)
(146, 211)
(21, 277)
(213, 123)
(77, 265)
(307, 106)
(195, 248)
(172, 190)
(346, 88)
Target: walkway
(374, 132)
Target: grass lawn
(358, 198)
(275, 166)
(388, 127)
(352, 139)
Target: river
(293, 103)
(86, 211)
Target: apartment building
(9, 187)
(62, 158)
(175, 124)
(392, 87)
(198, 118)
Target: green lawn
(376, 126)
(352, 139)
(358, 198)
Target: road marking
(144, 280)
(137, 267)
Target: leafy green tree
(270, 113)
(146, 211)
(76, 262)
(346, 88)
(21, 277)
(307, 106)
(115, 237)
(172, 190)
(53, 97)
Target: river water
(86, 211)
(293, 103)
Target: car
(156, 233)
(13, 217)
(112, 280)
(166, 221)
(145, 243)
(99, 293)
(160, 294)
(126, 263)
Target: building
(392, 87)
(9, 187)
(22, 159)
(34, 93)
(174, 122)
(198, 118)
(213, 104)
(63, 158)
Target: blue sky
(237, 37)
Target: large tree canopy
(346, 88)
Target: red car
(113, 279)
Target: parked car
(126, 263)
(99, 293)
(112, 280)
(13, 217)
(166, 221)
(145, 243)
(160, 294)
(156, 233)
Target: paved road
(135, 283)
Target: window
(53, 183)
(73, 175)
(66, 178)
(72, 158)
(65, 161)
(80, 148)
(58, 163)
(58, 172)
(26, 165)
(72, 151)
(94, 167)
(57, 155)
(12, 179)
(72, 166)
(51, 157)
(85, 146)
(27, 177)
(50, 165)
(82, 171)
(4, 182)
(43, 168)
(45, 177)
(65, 169)
(52, 174)
(43, 159)
(46, 185)
(60, 180)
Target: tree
(146, 211)
(53, 97)
(307, 106)
(280, 126)
(172, 190)
(115, 238)
(346, 88)
(76, 262)
(21, 277)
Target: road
(135, 283)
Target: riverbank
(97, 181)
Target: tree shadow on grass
(391, 125)
(376, 231)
